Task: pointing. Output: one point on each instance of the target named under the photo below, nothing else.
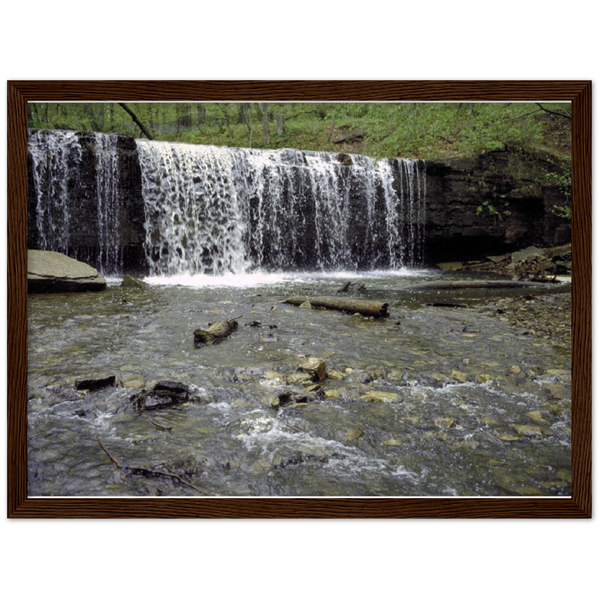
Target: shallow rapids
(474, 407)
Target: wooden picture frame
(577, 92)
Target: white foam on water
(261, 278)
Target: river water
(475, 406)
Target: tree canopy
(411, 130)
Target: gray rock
(315, 366)
(527, 254)
(132, 282)
(165, 394)
(52, 272)
(133, 380)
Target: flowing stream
(477, 408)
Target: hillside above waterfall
(410, 130)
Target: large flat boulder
(53, 272)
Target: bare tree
(136, 120)
(563, 114)
(265, 123)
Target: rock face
(52, 272)
(491, 204)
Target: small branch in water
(147, 472)
(112, 458)
(159, 426)
(295, 428)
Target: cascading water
(62, 182)
(215, 210)
(56, 157)
(193, 215)
(110, 257)
(181, 208)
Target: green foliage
(563, 181)
(411, 130)
(453, 129)
(489, 208)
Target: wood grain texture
(20, 506)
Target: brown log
(370, 308)
(215, 333)
(459, 284)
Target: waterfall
(110, 256)
(168, 208)
(70, 175)
(215, 210)
(56, 157)
(193, 209)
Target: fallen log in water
(460, 284)
(215, 333)
(370, 308)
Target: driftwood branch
(145, 471)
(370, 308)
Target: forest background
(410, 130)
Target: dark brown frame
(577, 92)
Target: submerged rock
(132, 282)
(133, 380)
(53, 272)
(375, 396)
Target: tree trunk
(265, 123)
(370, 308)
(136, 120)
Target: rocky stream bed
(460, 392)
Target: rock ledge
(52, 272)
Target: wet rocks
(133, 380)
(532, 263)
(547, 316)
(300, 379)
(352, 287)
(376, 396)
(95, 382)
(315, 367)
(459, 376)
(528, 430)
(164, 394)
(445, 422)
(289, 398)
